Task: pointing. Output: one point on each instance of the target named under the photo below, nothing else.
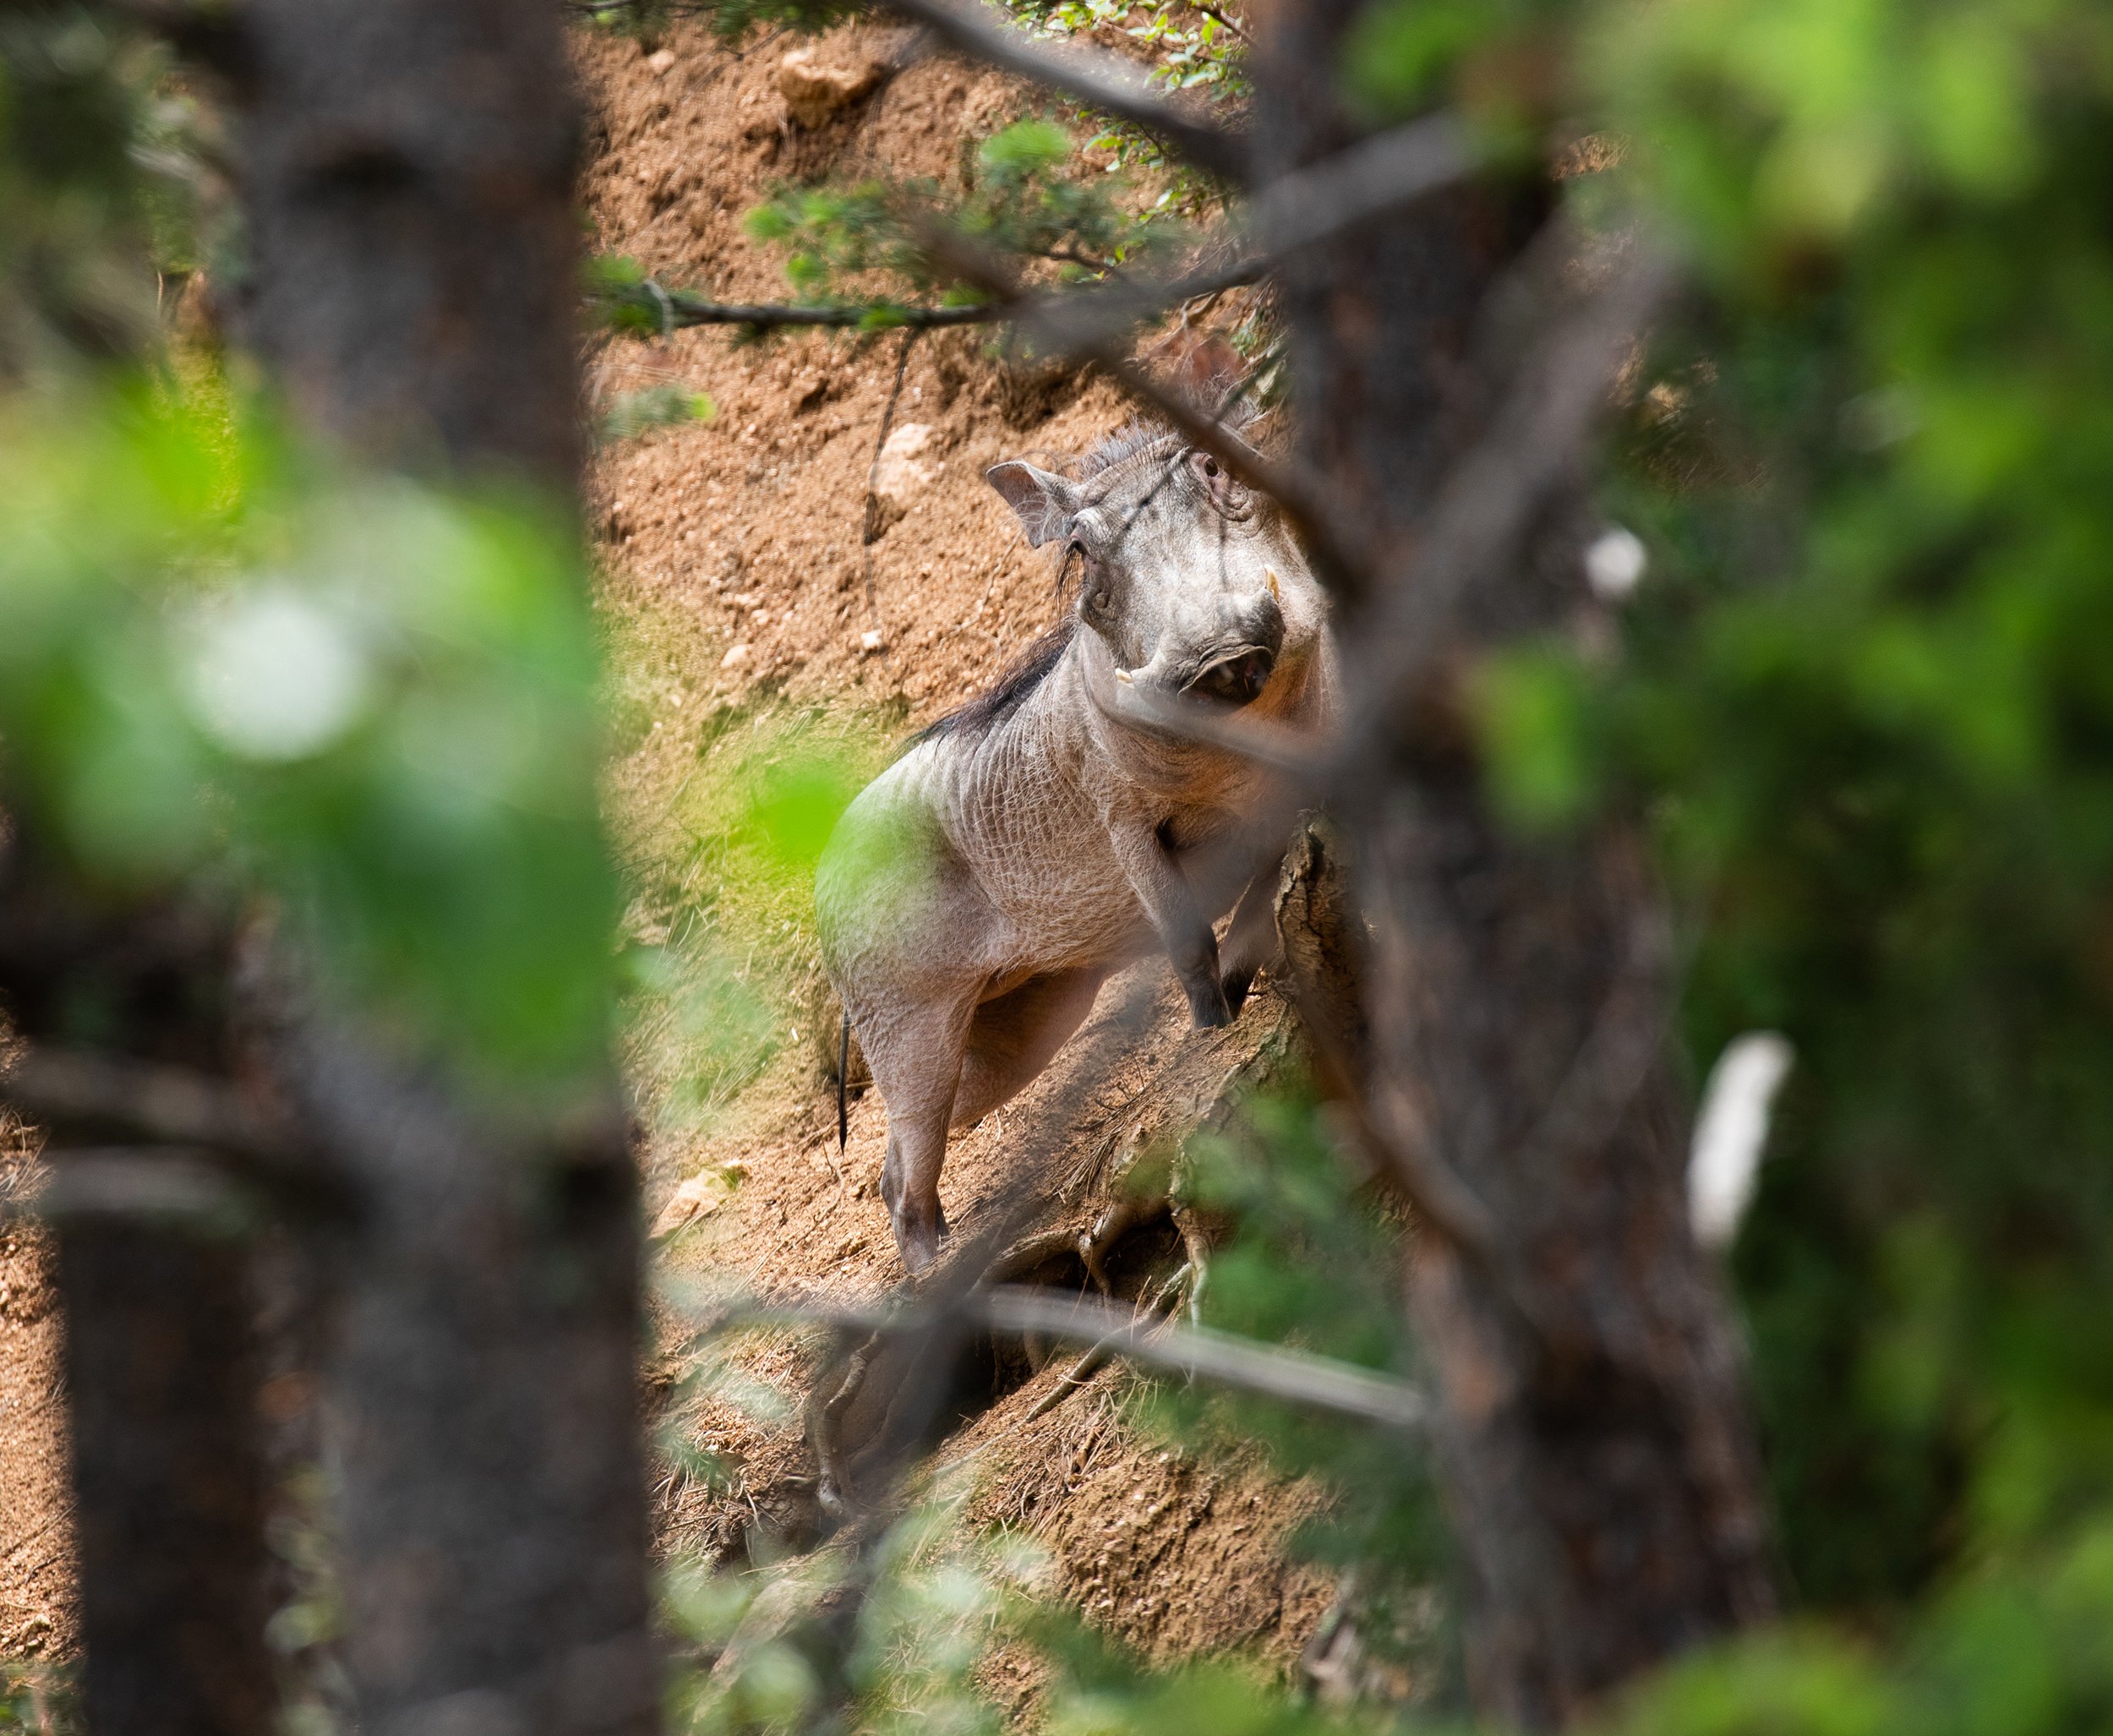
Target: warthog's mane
(1004, 696)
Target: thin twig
(871, 532)
(160, 1105)
(1297, 494)
(1213, 12)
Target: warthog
(978, 893)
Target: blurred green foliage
(374, 700)
(665, 406)
(1311, 1256)
(725, 815)
(1866, 701)
(1863, 695)
(37, 1699)
(92, 196)
(1022, 200)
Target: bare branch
(1293, 1377)
(1296, 1376)
(190, 1119)
(1328, 540)
(1217, 725)
(135, 1181)
(1493, 492)
(169, 1106)
(1103, 81)
(684, 310)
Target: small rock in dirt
(661, 60)
(872, 640)
(736, 655)
(696, 1197)
(903, 471)
(813, 91)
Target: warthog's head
(1193, 580)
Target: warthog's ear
(1044, 500)
(1208, 375)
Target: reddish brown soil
(37, 1613)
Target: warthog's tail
(843, 1085)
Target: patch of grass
(721, 815)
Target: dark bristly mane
(1027, 673)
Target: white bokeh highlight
(1731, 1132)
(271, 674)
(1614, 564)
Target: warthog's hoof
(917, 1238)
(1209, 1010)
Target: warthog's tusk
(1270, 573)
(1125, 678)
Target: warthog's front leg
(1251, 937)
(1182, 928)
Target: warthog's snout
(1238, 678)
(1236, 674)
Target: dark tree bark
(407, 174)
(407, 179)
(168, 1478)
(1594, 1443)
(161, 1358)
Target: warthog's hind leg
(917, 1066)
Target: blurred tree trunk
(160, 1360)
(167, 1478)
(407, 170)
(1594, 1444)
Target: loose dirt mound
(737, 583)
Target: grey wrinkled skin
(978, 893)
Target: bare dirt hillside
(738, 591)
